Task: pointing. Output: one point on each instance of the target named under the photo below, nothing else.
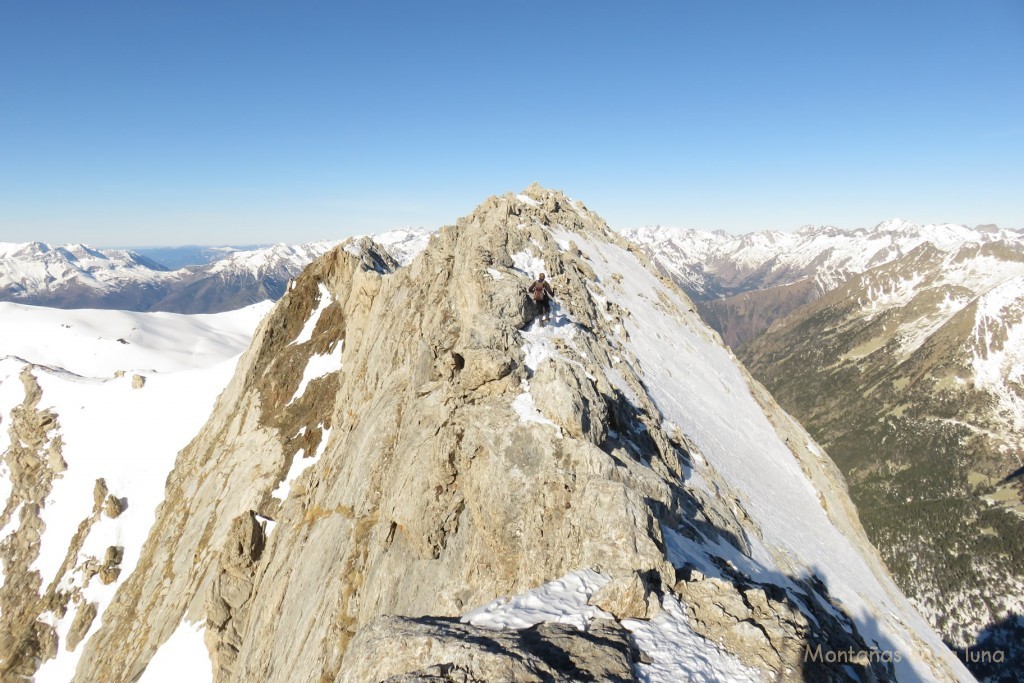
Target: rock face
(422, 448)
(227, 603)
(429, 650)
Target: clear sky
(160, 122)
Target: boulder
(565, 395)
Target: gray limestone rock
(566, 395)
(627, 597)
(227, 605)
(429, 649)
(80, 625)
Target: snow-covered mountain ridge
(407, 478)
(718, 264)
(743, 283)
(30, 267)
(79, 276)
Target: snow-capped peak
(715, 264)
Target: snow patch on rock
(562, 601)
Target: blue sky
(148, 123)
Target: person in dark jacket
(541, 293)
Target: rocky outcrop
(227, 603)
(566, 396)
(628, 597)
(80, 626)
(449, 455)
(33, 459)
(435, 650)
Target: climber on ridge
(541, 293)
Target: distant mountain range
(901, 349)
(192, 254)
(742, 283)
(80, 276)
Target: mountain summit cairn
(407, 479)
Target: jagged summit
(402, 450)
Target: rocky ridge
(448, 452)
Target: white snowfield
(96, 343)
(127, 436)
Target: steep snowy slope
(473, 497)
(109, 398)
(746, 455)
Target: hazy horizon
(264, 244)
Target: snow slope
(98, 343)
(127, 435)
(711, 402)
